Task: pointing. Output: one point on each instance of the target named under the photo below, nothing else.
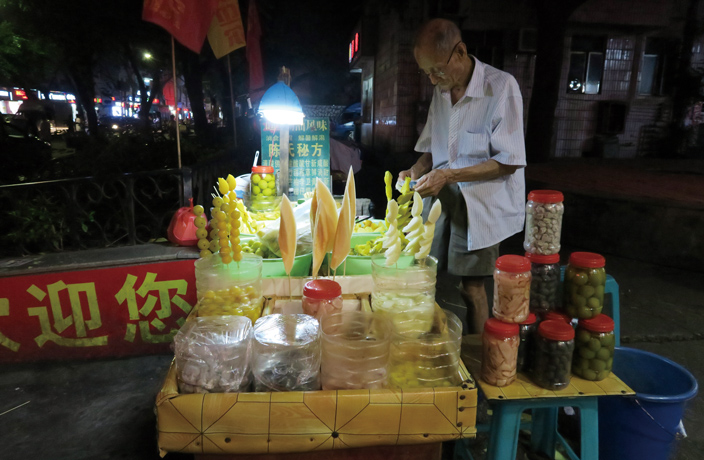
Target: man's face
(442, 69)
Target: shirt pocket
(473, 145)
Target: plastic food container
(500, 342)
(286, 350)
(585, 280)
(594, 348)
(212, 355)
(545, 286)
(555, 315)
(512, 289)
(430, 359)
(554, 346)
(321, 297)
(263, 188)
(229, 289)
(527, 330)
(355, 351)
(405, 293)
(544, 211)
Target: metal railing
(90, 212)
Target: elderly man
(473, 157)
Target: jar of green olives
(527, 330)
(262, 188)
(554, 346)
(544, 211)
(585, 279)
(594, 348)
(545, 287)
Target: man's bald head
(439, 35)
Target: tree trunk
(193, 77)
(85, 92)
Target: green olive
(581, 363)
(603, 354)
(586, 291)
(569, 273)
(586, 353)
(607, 340)
(599, 293)
(594, 344)
(589, 374)
(610, 363)
(578, 300)
(581, 279)
(603, 374)
(595, 278)
(593, 303)
(586, 313)
(597, 365)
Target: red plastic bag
(182, 229)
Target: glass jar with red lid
(500, 343)
(544, 211)
(545, 286)
(556, 315)
(585, 280)
(263, 188)
(512, 289)
(594, 348)
(554, 347)
(321, 297)
(527, 330)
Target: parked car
(22, 154)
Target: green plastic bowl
(274, 268)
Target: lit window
(586, 65)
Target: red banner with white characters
(187, 20)
(120, 311)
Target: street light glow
(147, 56)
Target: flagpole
(232, 100)
(173, 73)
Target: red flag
(254, 52)
(226, 33)
(187, 20)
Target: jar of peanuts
(512, 289)
(499, 352)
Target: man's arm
(422, 166)
(431, 183)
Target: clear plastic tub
(427, 359)
(500, 342)
(229, 289)
(554, 347)
(213, 354)
(594, 348)
(286, 353)
(544, 211)
(355, 351)
(405, 292)
(545, 285)
(512, 289)
(585, 281)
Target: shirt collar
(476, 83)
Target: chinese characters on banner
(309, 153)
(94, 313)
(226, 32)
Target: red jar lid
(600, 323)
(587, 259)
(263, 169)
(531, 319)
(556, 330)
(546, 196)
(322, 289)
(501, 329)
(512, 263)
(543, 259)
(557, 316)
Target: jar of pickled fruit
(263, 188)
(545, 292)
(526, 333)
(229, 289)
(544, 211)
(556, 315)
(594, 348)
(321, 297)
(512, 289)
(554, 346)
(500, 342)
(585, 279)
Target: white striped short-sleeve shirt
(487, 123)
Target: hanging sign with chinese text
(309, 153)
(127, 310)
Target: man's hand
(406, 173)
(431, 183)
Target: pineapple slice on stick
(325, 225)
(414, 229)
(429, 231)
(392, 237)
(345, 224)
